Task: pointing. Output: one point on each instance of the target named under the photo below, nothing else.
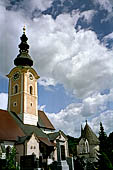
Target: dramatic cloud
(67, 56)
(28, 7)
(61, 54)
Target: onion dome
(23, 58)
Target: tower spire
(23, 58)
(82, 131)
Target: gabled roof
(9, 130)
(25, 138)
(90, 135)
(30, 129)
(43, 121)
(53, 136)
(12, 127)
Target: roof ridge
(44, 121)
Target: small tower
(22, 96)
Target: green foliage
(102, 139)
(72, 145)
(11, 163)
(104, 161)
(110, 147)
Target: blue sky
(71, 44)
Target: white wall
(33, 146)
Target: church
(88, 145)
(24, 126)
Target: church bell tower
(22, 96)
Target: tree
(110, 147)
(72, 145)
(104, 162)
(103, 158)
(11, 162)
(102, 139)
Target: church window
(31, 90)
(87, 146)
(15, 104)
(15, 89)
(31, 104)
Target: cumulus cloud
(68, 120)
(107, 120)
(41, 107)
(3, 101)
(39, 4)
(9, 33)
(46, 81)
(93, 108)
(67, 56)
(108, 38)
(105, 4)
(88, 15)
(29, 7)
(61, 54)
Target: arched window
(87, 146)
(15, 89)
(31, 90)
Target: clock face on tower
(30, 76)
(16, 76)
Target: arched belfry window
(31, 90)
(15, 89)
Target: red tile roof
(43, 121)
(9, 130)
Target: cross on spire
(24, 29)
